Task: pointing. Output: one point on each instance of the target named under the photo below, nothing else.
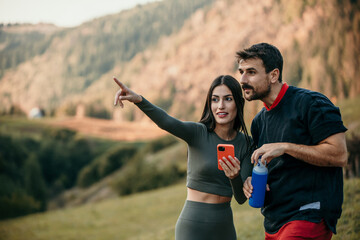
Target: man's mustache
(246, 86)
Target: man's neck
(274, 92)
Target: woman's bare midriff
(197, 196)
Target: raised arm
(183, 130)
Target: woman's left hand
(231, 166)
(125, 93)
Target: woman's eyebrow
(228, 95)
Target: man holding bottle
(301, 137)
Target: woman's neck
(225, 133)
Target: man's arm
(330, 152)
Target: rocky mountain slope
(319, 40)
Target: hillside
(21, 42)
(319, 39)
(316, 39)
(71, 59)
(152, 215)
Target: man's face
(254, 80)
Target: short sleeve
(324, 119)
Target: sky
(63, 13)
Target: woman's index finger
(121, 85)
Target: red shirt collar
(279, 97)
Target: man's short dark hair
(269, 54)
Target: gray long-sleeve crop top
(202, 171)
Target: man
(300, 134)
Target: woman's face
(223, 106)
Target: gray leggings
(199, 221)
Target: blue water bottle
(258, 181)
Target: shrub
(142, 177)
(87, 176)
(59, 134)
(34, 181)
(104, 165)
(18, 204)
(159, 144)
(115, 159)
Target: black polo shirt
(298, 190)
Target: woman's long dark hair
(207, 117)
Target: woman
(207, 212)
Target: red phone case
(224, 150)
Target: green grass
(349, 224)
(21, 126)
(152, 215)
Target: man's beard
(256, 95)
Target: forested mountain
(38, 69)
(320, 42)
(19, 43)
(172, 64)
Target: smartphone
(224, 150)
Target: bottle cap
(260, 164)
(260, 167)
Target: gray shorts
(199, 221)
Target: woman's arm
(238, 171)
(232, 169)
(183, 130)
(237, 186)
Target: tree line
(35, 170)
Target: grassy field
(152, 215)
